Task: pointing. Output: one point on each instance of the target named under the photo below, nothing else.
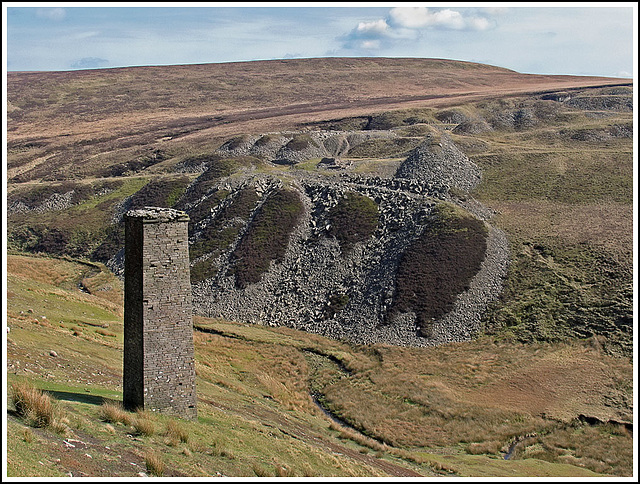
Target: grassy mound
(353, 220)
(439, 265)
(267, 236)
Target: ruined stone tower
(159, 368)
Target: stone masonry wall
(159, 368)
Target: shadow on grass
(81, 397)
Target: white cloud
(407, 24)
(370, 44)
(422, 17)
(56, 13)
(494, 11)
(377, 27)
(478, 23)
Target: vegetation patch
(267, 139)
(161, 192)
(235, 143)
(390, 147)
(337, 302)
(218, 235)
(439, 265)
(267, 236)
(344, 124)
(562, 177)
(217, 168)
(134, 166)
(202, 210)
(551, 284)
(394, 119)
(301, 142)
(354, 219)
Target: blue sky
(544, 38)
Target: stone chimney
(159, 366)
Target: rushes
(37, 408)
(114, 413)
(155, 465)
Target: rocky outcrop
(438, 161)
(346, 292)
(339, 285)
(301, 290)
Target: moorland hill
(465, 228)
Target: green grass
(565, 177)
(255, 416)
(563, 195)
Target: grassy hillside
(562, 187)
(79, 124)
(455, 410)
(549, 383)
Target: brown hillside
(108, 114)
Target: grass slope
(565, 200)
(405, 411)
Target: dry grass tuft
(114, 413)
(154, 464)
(144, 426)
(34, 406)
(28, 436)
(175, 434)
